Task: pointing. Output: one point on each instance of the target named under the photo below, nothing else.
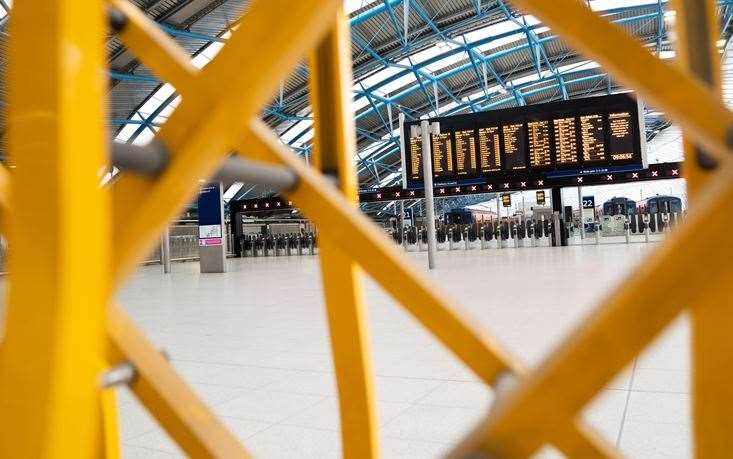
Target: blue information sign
(209, 208)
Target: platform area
(254, 343)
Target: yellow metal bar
(154, 47)
(712, 316)
(59, 274)
(4, 190)
(352, 232)
(110, 426)
(627, 321)
(333, 153)
(199, 133)
(186, 419)
(684, 98)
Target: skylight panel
(232, 190)
(397, 84)
(352, 5)
(378, 77)
(446, 62)
(129, 129)
(602, 5)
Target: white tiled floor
(254, 343)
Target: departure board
(415, 158)
(560, 138)
(621, 143)
(515, 146)
(539, 143)
(489, 149)
(442, 155)
(566, 141)
(465, 152)
(592, 137)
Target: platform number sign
(541, 198)
(589, 209)
(506, 200)
(407, 217)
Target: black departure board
(515, 146)
(566, 140)
(489, 149)
(561, 137)
(539, 143)
(465, 141)
(415, 158)
(592, 137)
(442, 155)
(621, 143)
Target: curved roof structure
(418, 57)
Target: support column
(165, 250)
(50, 359)
(558, 237)
(580, 212)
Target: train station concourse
(365, 229)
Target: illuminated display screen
(506, 200)
(540, 197)
(539, 143)
(621, 142)
(566, 140)
(557, 139)
(465, 152)
(442, 155)
(515, 146)
(592, 137)
(489, 149)
(415, 158)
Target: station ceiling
(442, 57)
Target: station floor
(253, 342)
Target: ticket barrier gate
(259, 245)
(449, 237)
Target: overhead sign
(541, 197)
(594, 132)
(506, 200)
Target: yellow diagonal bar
(352, 232)
(153, 46)
(58, 271)
(624, 324)
(198, 135)
(712, 316)
(333, 153)
(186, 419)
(684, 98)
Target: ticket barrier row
(256, 245)
(656, 223)
(635, 224)
(452, 237)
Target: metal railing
(184, 244)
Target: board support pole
(580, 210)
(428, 184)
